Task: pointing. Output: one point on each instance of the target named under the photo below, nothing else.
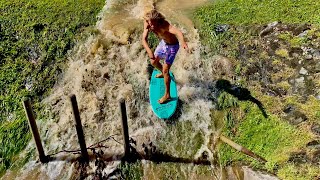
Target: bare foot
(164, 99)
(159, 75)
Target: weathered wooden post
(81, 138)
(34, 130)
(125, 131)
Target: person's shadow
(242, 94)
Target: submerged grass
(174, 142)
(35, 37)
(131, 171)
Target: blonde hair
(154, 15)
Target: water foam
(112, 65)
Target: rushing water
(111, 65)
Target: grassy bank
(273, 137)
(35, 37)
(251, 13)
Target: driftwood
(242, 149)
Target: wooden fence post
(81, 138)
(34, 130)
(125, 131)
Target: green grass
(294, 172)
(131, 171)
(241, 12)
(271, 138)
(243, 18)
(35, 38)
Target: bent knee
(165, 71)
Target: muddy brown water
(112, 65)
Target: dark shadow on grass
(242, 94)
(151, 153)
(212, 89)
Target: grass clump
(35, 38)
(14, 137)
(282, 53)
(271, 138)
(131, 171)
(302, 172)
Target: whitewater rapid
(112, 65)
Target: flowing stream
(112, 64)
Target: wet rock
(300, 80)
(316, 55)
(315, 157)
(221, 28)
(289, 109)
(307, 50)
(298, 157)
(314, 144)
(254, 175)
(303, 34)
(296, 55)
(316, 129)
(236, 172)
(294, 116)
(308, 57)
(274, 91)
(34, 53)
(268, 29)
(300, 29)
(317, 67)
(28, 83)
(303, 71)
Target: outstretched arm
(180, 37)
(145, 40)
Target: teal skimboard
(157, 90)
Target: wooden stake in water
(81, 138)
(34, 129)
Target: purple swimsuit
(166, 51)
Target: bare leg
(156, 63)
(165, 72)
